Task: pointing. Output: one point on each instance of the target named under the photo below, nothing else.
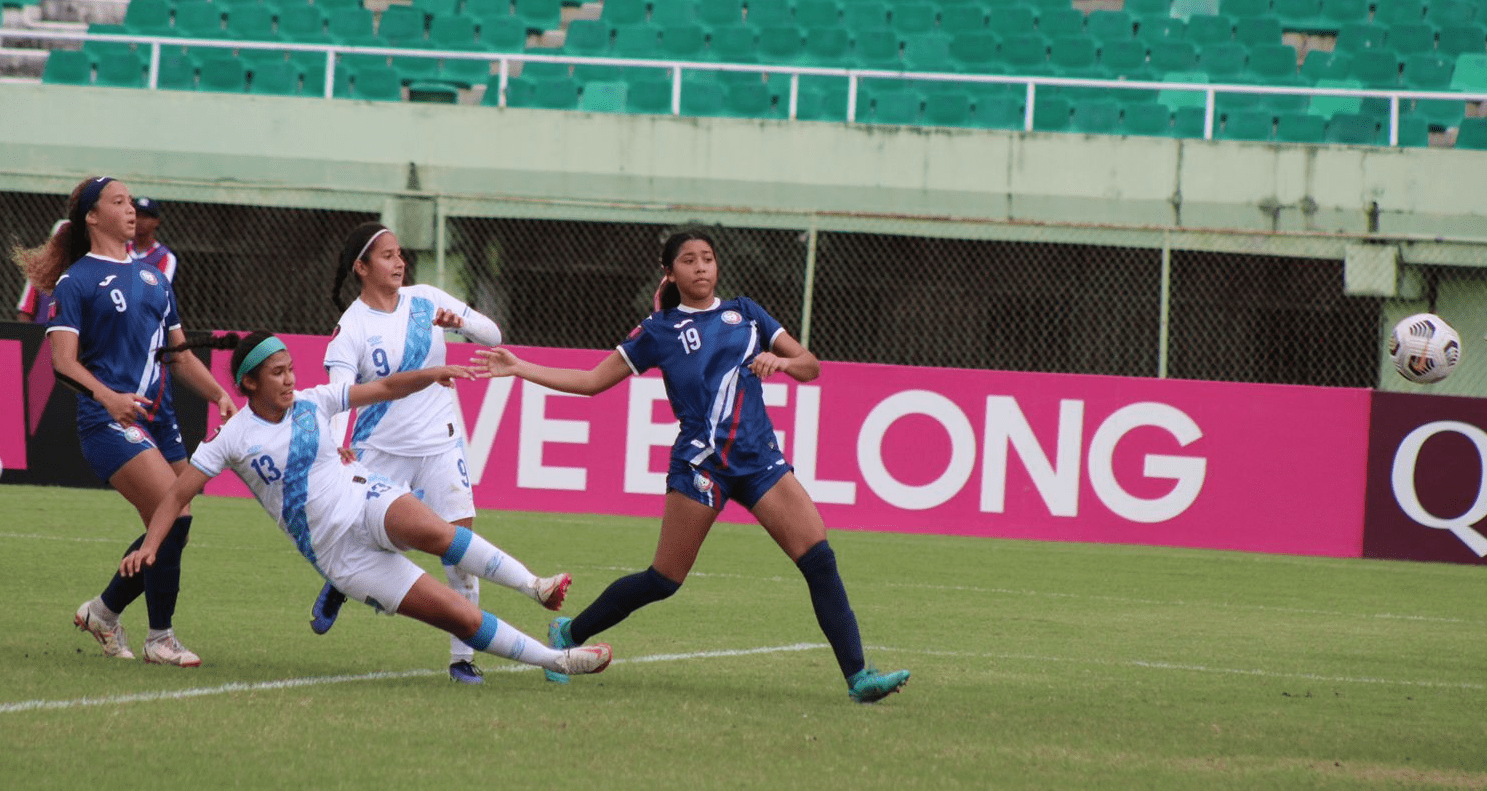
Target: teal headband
(256, 357)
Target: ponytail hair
(353, 250)
(44, 265)
(668, 295)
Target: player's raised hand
(448, 319)
(498, 361)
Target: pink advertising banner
(1261, 468)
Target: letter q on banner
(1402, 480)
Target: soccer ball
(1424, 348)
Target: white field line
(291, 683)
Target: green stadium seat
(703, 98)
(121, 70)
(1433, 73)
(877, 49)
(768, 13)
(1159, 30)
(278, 79)
(749, 100)
(928, 52)
(438, 8)
(999, 112)
(1462, 40)
(975, 53)
(1170, 56)
(1060, 22)
(1412, 39)
(148, 18)
(1400, 12)
(1472, 134)
(1107, 27)
(603, 97)
(823, 104)
(1148, 8)
(651, 97)
(1448, 13)
(177, 71)
(1188, 122)
(720, 13)
(684, 42)
(1209, 29)
(253, 23)
(1125, 60)
(1245, 9)
(325, 5)
(223, 75)
(1356, 37)
(403, 26)
(1013, 21)
(1096, 116)
(733, 44)
(1328, 106)
(539, 15)
(483, 11)
(315, 81)
(377, 84)
(618, 12)
(901, 107)
(430, 92)
(826, 46)
(1248, 125)
(1183, 9)
(1224, 61)
(674, 12)
(1343, 12)
(416, 68)
(1470, 74)
(961, 18)
(1414, 132)
(200, 20)
(947, 107)
(1375, 69)
(1073, 56)
(587, 38)
(1149, 119)
(303, 24)
(454, 31)
(864, 15)
(1177, 99)
(503, 34)
(1353, 129)
(818, 13)
(913, 17)
(1320, 65)
(1303, 15)
(344, 25)
(1052, 114)
(1275, 65)
(1258, 31)
(780, 44)
(545, 93)
(1300, 128)
(641, 40)
(67, 67)
(96, 49)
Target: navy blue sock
(163, 579)
(623, 596)
(833, 612)
(122, 591)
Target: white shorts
(441, 481)
(363, 562)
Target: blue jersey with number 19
(121, 312)
(704, 357)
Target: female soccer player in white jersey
(350, 523)
(110, 319)
(415, 440)
(714, 353)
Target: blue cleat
(465, 672)
(327, 607)
(558, 638)
(869, 686)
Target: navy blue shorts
(714, 488)
(109, 446)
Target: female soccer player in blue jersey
(415, 440)
(110, 319)
(714, 354)
(351, 524)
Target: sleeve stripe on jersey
(626, 358)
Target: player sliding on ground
(714, 354)
(351, 524)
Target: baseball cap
(148, 206)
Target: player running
(351, 524)
(415, 440)
(714, 354)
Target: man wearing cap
(145, 247)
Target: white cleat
(550, 591)
(585, 659)
(168, 650)
(109, 635)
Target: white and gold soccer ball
(1424, 348)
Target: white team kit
(414, 440)
(333, 512)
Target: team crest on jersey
(149, 277)
(731, 317)
(134, 434)
(702, 483)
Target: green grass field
(1039, 666)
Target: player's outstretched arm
(406, 383)
(609, 372)
(181, 493)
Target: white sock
(157, 634)
(101, 611)
(474, 555)
(502, 639)
(468, 586)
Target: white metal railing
(854, 76)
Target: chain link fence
(880, 290)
